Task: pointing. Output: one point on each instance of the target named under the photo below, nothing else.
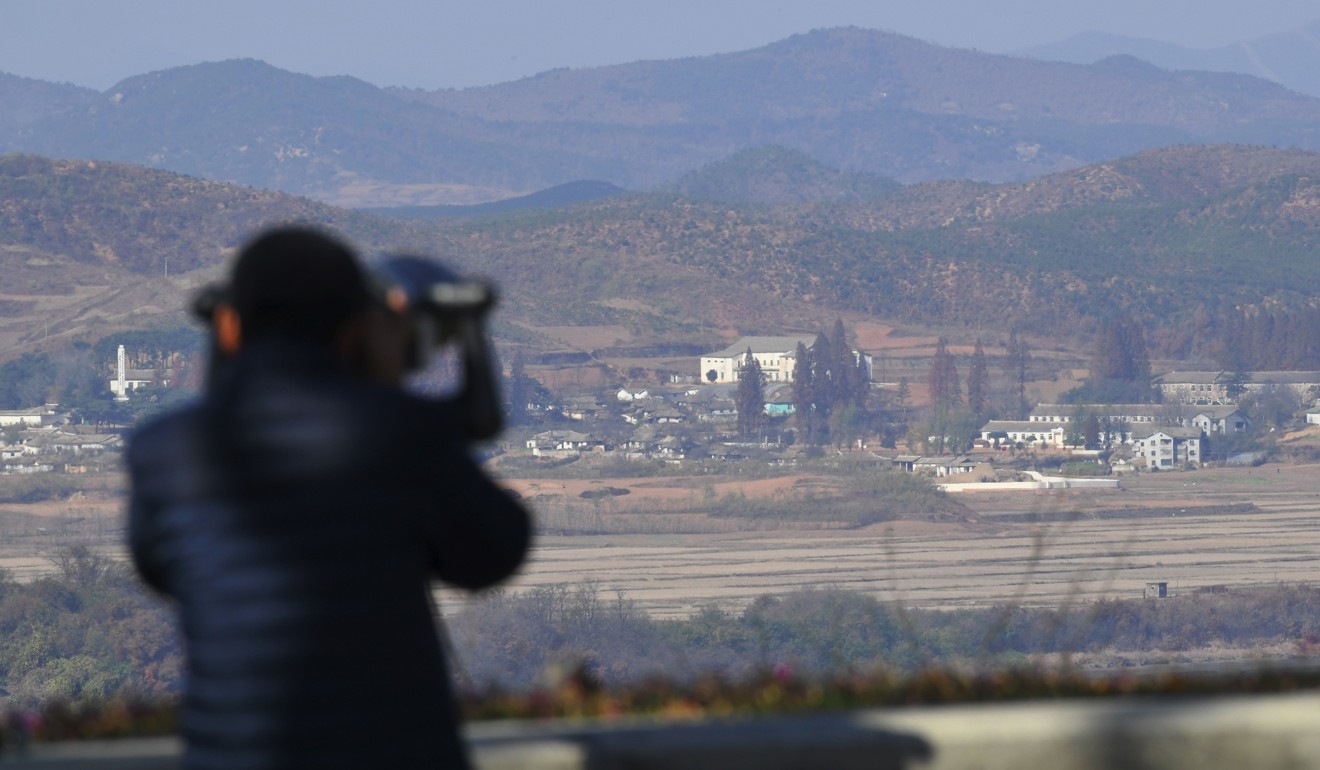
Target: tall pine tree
(1120, 352)
(822, 360)
(945, 390)
(519, 390)
(978, 382)
(1120, 365)
(804, 394)
(1015, 371)
(750, 400)
(829, 378)
(843, 368)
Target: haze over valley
(893, 106)
(960, 340)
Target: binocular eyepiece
(444, 307)
(432, 288)
(438, 302)
(441, 308)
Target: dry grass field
(30, 534)
(1038, 548)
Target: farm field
(1231, 527)
(31, 533)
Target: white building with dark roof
(1213, 387)
(1194, 387)
(776, 355)
(1129, 413)
(1026, 432)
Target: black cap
(297, 281)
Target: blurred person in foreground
(298, 513)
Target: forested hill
(852, 99)
(1157, 236)
(88, 249)
(1160, 236)
(135, 218)
(1182, 175)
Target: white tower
(120, 385)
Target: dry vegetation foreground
(1230, 527)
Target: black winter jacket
(298, 516)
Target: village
(43, 440)
(1198, 421)
(692, 420)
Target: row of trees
(831, 383)
(509, 641)
(1249, 340)
(523, 391)
(88, 634)
(830, 388)
(33, 379)
(946, 392)
(951, 424)
(1257, 339)
(954, 421)
(85, 634)
(1120, 366)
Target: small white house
(1221, 419)
(628, 396)
(28, 418)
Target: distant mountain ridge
(856, 100)
(28, 102)
(1291, 59)
(247, 122)
(566, 194)
(777, 175)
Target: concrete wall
(1224, 733)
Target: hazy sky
(441, 43)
